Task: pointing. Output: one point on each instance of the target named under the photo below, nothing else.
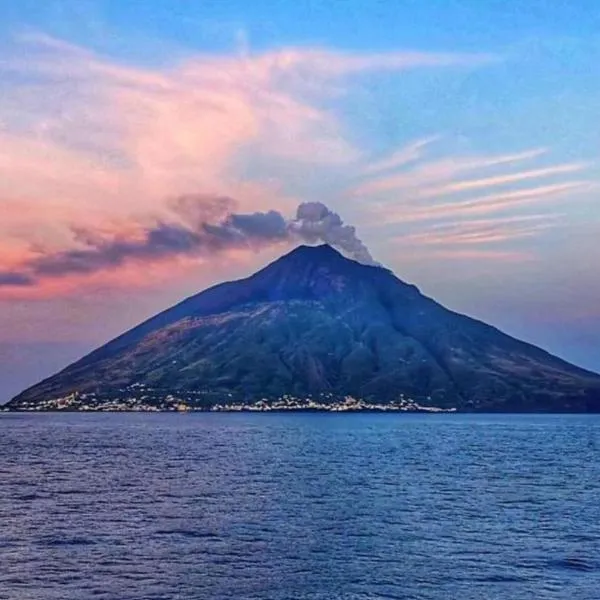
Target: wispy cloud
(488, 204)
(485, 255)
(400, 158)
(482, 231)
(461, 203)
(490, 182)
(429, 172)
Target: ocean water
(299, 506)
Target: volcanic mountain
(315, 322)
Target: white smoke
(314, 223)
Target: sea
(302, 506)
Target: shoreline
(232, 410)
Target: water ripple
(299, 507)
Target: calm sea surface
(299, 506)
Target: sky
(460, 138)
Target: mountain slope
(314, 322)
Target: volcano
(316, 323)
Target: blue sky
(460, 138)
(378, 25)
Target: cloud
(262, 226)
(447, 169)
(484, 205)
(400, 158)
(14, 278)
(91, 148)
(461, 203)
(85, 139)
(489, 182)
(209, 229)
(486, 255)
(86, 142)
(482, 232)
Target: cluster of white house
(169, 402)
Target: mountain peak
(315, 272)
(322, 255)
(321, 249)
(319, 252)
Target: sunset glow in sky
(461, 139)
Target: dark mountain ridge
(315, 322)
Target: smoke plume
(202, 225)
(314, 223)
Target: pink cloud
(90, 143)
